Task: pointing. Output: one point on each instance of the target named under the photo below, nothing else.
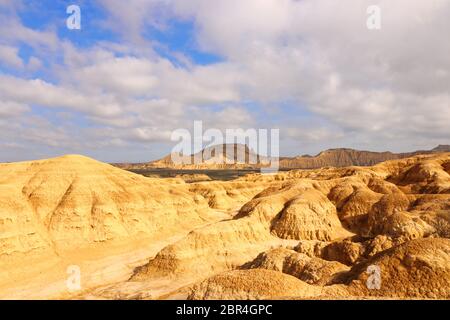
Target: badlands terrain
(300, 234)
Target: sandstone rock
(74, 200)
(314, 270)
(304, 206)
(312, 248)
(346, 252)
(416, 269)
(252, 284)
(309, 216)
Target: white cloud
(12, 109)
(321, 54)
(9, 57)
(42, 93)
(387, 89)
(14, 32)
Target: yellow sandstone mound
(73, 200)
(251, 284)
(312, 270)
(416, 269)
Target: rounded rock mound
(251, 284)
(416, 269)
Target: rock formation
(326, 221)
(296, 234)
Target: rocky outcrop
(416, 269)
(312, 270)
(251, 284)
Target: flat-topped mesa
(224, 156)
(338, 158)
(442, 148)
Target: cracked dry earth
(302, 234)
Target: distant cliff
(340, 157)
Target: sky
(116, 89)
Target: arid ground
(302, 234)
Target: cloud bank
(309, 67)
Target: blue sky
(138, 70)
(176, 35)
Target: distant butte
(338, 157)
